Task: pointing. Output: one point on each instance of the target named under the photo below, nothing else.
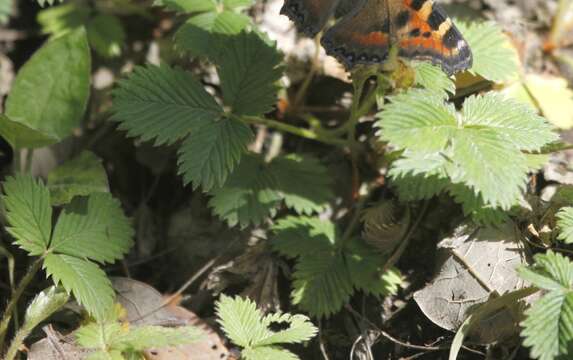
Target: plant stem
(398, 253)
(305, 133)
(7, 316)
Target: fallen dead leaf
(474, 263)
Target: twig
(404, 244)
(190, 282)
(470, 269)
(390, 337)
(321, 343)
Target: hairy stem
(7, 316)
(305, 133)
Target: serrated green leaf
(146, 337)
(565, 224)
(433, 78)
(93, 227)
(84, 279)
(299, 329)
(297, 236)
(473, 206)
(98, 335)
(417, 120)
(304, 183)
(322, 283)
(79, 176)
(489, 166)
(240, 320)
(162, 103)
(106, 35)
(57, 77)
(366, 265)
(268, 352)
(548, 328)
(494, 57)
(249, 195)
(212, 151)
(244, 324)
(28, 212)
(238, 4)
(206, 34)
(551, 271)
(249, 71)
(297, 180)
(516, 122)
(480, 148)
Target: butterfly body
(420, 29)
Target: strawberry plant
(196, 148)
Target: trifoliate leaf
(249, 71)
(93, 227)
(481, 147)
(250, 194)
(28, 212)
(417, 120)
(241, 321)
(212, 151)
(304, 183)
(366, 266)
(494, 57)
(268, 352)
(57, 77)
(322, 283)
(162, 103)
(106, 35)
(84, 279)
(547, 330)
(244, 324)
(146, 337)
(205, 34)
(516, 122)
(79, 176)
(565, 224)
(433, 78)
(298, 236)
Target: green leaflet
(57, 78)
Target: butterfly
(420, 29)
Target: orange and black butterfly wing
(309, 16)
(419, 28)
(424, 31)
(362, 36)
